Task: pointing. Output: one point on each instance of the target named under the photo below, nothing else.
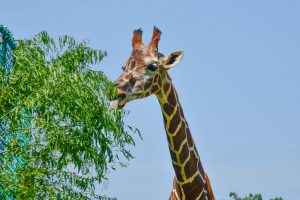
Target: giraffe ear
(173, 59)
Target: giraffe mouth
(119, 102)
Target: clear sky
(238, 84)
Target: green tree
(74, 138)
(235, 196)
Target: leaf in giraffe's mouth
(119, 103)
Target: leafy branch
(74, 138)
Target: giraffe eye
(123, 68)
(152, 67)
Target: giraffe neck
(190, 176)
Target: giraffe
(146, 73)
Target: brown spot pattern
(148, 84)
(179, 137)
(166, 87)
(155, 88)
(175, 122)
(173, 155)
(168, 109)
(189, 137)
(172, 97)
(191, 167)
(184, 153)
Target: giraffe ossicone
(146, 73)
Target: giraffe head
(145, 70)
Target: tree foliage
(251, 196)
(74, 138)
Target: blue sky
(238, 84)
